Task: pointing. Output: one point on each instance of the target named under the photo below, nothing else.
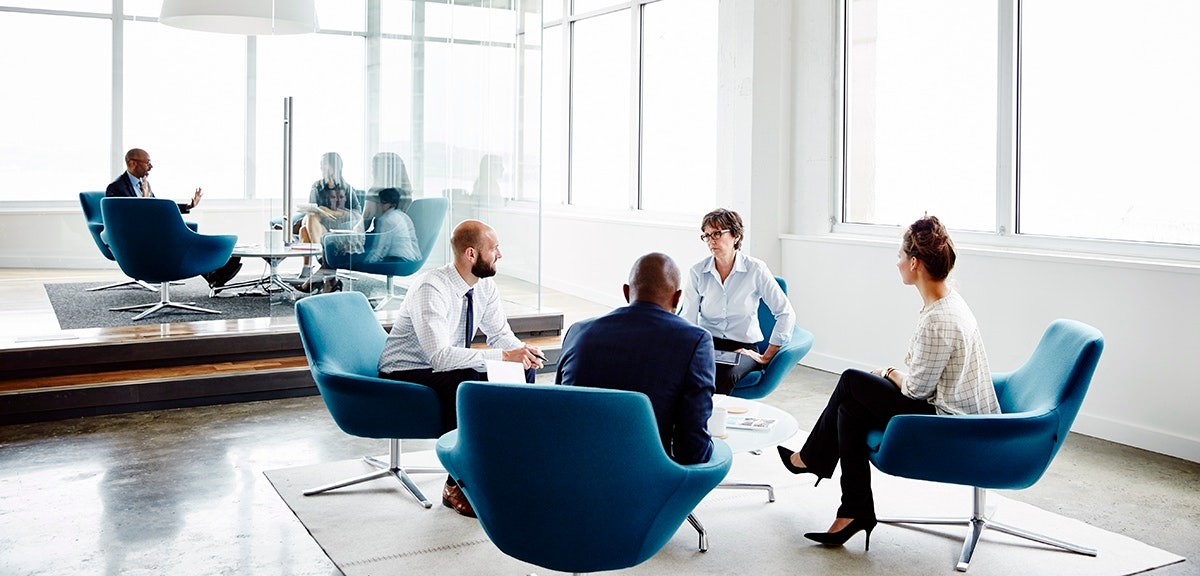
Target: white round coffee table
(749, 440)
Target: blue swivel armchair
(151, 243)
(427, 215)
(571, 479)
(95, 223)
(343, 339)
(758, 384)
(1011, 450)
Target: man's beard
(481, 269)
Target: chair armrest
(1007, 451)
(1000, 381)
(446, 449)
(789, 354)
(757, 385)
(717, 466)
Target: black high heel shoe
(786, 456)
(841, 536)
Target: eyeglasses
(713, 235)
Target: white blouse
(730, 310)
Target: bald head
(137, 162)
(476, 250)
(654, 278)
(469, 234)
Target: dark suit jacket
(646, 349)
(123, 187)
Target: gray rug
(77, 308)
(377, 528)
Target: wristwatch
(888, 372)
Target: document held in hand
(505, 372)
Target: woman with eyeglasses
(722, 293)
(946, 372)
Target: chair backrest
(340, 334)
(150, 241)
(766, 318)
(90, 201)
(570, 478)
(1056, 376)
(427, 215)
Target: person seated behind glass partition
(387, 171)
(331, 207)
(395, 235)
(487, 187)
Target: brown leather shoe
(453, 497)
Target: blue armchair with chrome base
(427, 215)
(759, 384)
(90, 201)
(151, 242)
(572, 479)
(1011, 450)
(343, 339)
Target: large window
(1109, 120)
(629, 118)
(184, 94)
(921, 116)
(1055, 118)
(56, 106)
(445, 84)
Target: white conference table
(747, 440)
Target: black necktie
(469, 333)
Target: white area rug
(377, 528)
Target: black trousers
(445, 385)
(861, 402)
(729, 374)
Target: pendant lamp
(247, 17)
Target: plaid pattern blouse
(946, 362)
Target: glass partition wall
(432, 108)
(422, 99)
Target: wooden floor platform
(47, 374)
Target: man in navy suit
(645, 347)
(133, 183)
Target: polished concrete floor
(182, 491)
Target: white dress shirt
(429, 330)
(729, 310)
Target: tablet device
(724, 357)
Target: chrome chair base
(978, 522)
(695, 522)
(138, 283)
(164, 301)
(750, 486)
(391, 468)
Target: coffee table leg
(750, 486)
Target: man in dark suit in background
(645, 347)
(134, 183)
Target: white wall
(847, 292)
(59, 238)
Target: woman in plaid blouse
(946, 372)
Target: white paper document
(505, 372)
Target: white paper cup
(273, 239)
(716, 422)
